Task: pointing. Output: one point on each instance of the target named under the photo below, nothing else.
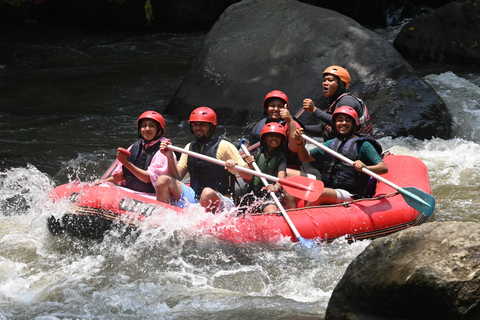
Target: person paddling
(342, 181)
(146, 162)
(210, 184)
(270, 160)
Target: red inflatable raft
(96, 209)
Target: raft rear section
(386, 213)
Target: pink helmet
(154, 116)
(275, 94)
(203, 114)
(273, 127)
(348, 111)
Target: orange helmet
(154, 116)
(275, 94)
(348, 111)
(203, 114)
(340, 72)
(273, 127)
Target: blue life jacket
(337, 174)
(207, 174)
(140, 158)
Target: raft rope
(343, 204)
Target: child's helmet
(273, 127)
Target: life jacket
(141, 158)
(256, 131)
(207, 174)
(293, 161)
(337, 174)
(266, 165)
(366, 125)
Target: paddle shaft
(403, 191)
(347, 160)
(416, 198)
(220, 162)
(297, 186)
(275, 198)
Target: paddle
(114, 164)
(416, 198)
(256, 145)
(299, 187)
(301, 240)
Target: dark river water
(69, 98)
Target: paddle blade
(418, 199)
(309, 244)
(302, 187)
(124, 151)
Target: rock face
(258, 46)
(447, 34)
(427, 272)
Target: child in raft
(140, 170)
(272, 161)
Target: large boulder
(257, 46)
(447, 34)
(427, 272)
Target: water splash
(172, 272)
(462, 97)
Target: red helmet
(348, 111)
(203, 114)
(273, 127)
(154, 116)
(340, 72)
(275, 94)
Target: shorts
(187, 197)
(227, 203)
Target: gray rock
(447, 34)
(427, 272)
(258, 46)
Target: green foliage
(148, 12)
